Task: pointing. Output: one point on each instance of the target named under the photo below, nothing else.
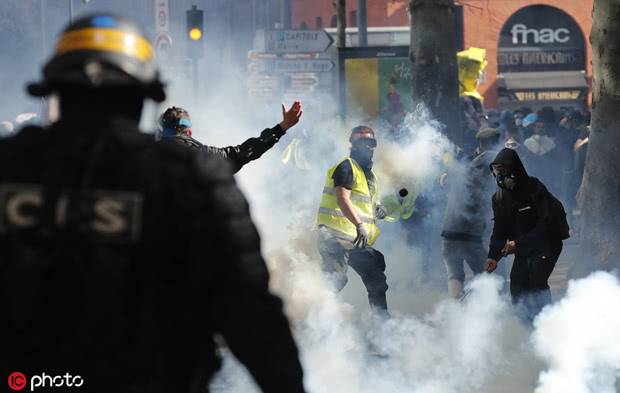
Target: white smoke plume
(578, 338)
(432, 344)
(416, 157)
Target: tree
(600, 193)
(433, 62)
(341, 13)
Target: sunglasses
(370, 142)
(184, 123)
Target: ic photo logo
(18, 381)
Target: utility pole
(600, 189)
(341, 15)
(285, 14)
(71, 11)
(433, 62)
(43, 12)
(362, 23)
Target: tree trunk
(362, 24)
(285, 14)
(600, 193)
(433, 62)
(341, 16)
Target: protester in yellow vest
(347, 220)
(472, 63)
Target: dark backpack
(559, 217)
(557, 212)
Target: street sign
(163, 44)
(162, 13)
(292, 41)
(304, 79)
(257, 55)
(264, 81)
(303, 65)
(284, 65)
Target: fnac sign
(541, 38)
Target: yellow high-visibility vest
(399, 208)
(363, 200)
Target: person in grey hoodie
(468, 211)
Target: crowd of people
(551, 143)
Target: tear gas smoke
(417, 156)
(578, 338)
(449, 347)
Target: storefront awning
(542, 80)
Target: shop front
(541, 60)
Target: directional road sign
(293, 41)
(282, 66)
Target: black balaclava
(513, 175)
(362, 150)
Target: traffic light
(195, 32)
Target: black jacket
(239, 155)
(121, 258)
(529, 214)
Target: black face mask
(362, 150)
(507, 182)
(505, 178)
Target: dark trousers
(454, 252)
(369, 263)
(529, 286)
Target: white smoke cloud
(417, 156)
(578, 338)
(431, 344)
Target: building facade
(538, 52)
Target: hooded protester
(347, 220)
(176, 124)
(529, 223)
(467, 213)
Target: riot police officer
(101, 275)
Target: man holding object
(529, 223)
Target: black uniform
(120, 258)
(250, 150)
(532, 217)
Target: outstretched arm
(254, 148)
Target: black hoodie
(529, 214)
